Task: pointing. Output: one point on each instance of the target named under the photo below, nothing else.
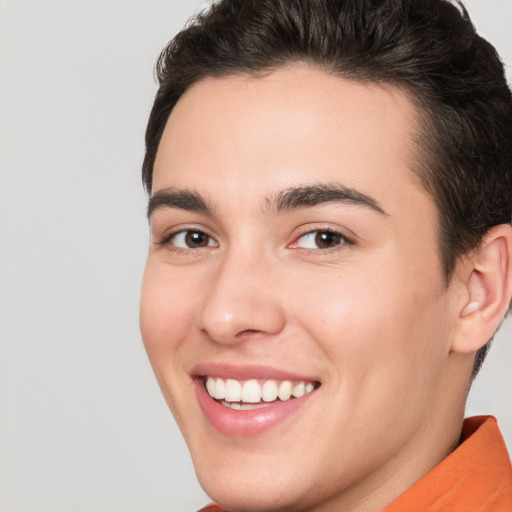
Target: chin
(252, 494)
(256, 479)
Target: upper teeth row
(251, 391)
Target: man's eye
(320, 240)
(190, 239)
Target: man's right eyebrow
(178, 198)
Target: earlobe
(488, 284)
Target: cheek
(385, 349)
(374, 322)
(166, 320)
(166, 311)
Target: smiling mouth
(255, 394)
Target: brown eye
(326, 239)
(196, 239)
(321, 240)
(191, 239)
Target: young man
(331, 250)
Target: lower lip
(235, 422)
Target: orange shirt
(476, 477)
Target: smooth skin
(348, 294)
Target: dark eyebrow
(178, 198)
(307, 196)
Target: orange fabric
(476, 477)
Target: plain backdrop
(83, 425)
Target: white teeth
(299, 390)
(269, 391)
(251, 392)
(244, 407)
(236, 393)
(220, 389)
(233, 391)
(285, 390)
(210, 386)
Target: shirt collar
(477, 476)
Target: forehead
(293, 125)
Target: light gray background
(83, 425)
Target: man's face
(292, 247)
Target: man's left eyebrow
(307, 196)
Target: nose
(240, 301)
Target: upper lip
(246, 372)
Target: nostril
(247, 332)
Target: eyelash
(168, 238)
(344, 240)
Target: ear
(486, 276)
